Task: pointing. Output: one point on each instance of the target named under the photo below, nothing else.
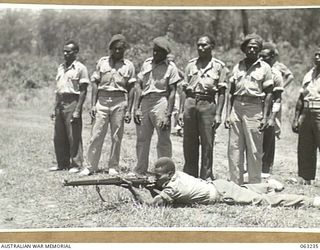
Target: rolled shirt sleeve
(83, 76)
(277, 80)
(168, 194)
(268, 81)
(223, 78)
(173, 74)
(132, 74)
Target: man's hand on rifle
(126, 184)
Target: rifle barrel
(111, 181)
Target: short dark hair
(74, 43)
(165, 163)
(211, 38)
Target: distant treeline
(43, 32)
(31, 41)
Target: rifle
(117, 181)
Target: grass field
(33, 198)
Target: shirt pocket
(105, 75)
(211, 79)
(257, 77)
(239, 75)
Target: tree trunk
(245, 22)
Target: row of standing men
(253, 104)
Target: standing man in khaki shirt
(72, 81)
(112, 99)
(250, 98)
(269, 136)
(155, 96)
(307, 122)
(204, 80)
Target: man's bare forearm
(288, 80)
(130, 98)
(181, 102)
(267, 102)
(171, 99)
(94, 94)
(221, 100)
(82, 98)
(299, 107)
(138, 95)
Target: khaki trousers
(153, 107)
(245, 140)
(67, 133)
(111, 109)
(256, 194)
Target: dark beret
(116, 38)
(163, 43)
(257, 39)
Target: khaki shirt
(207, 80)
(156, 78)
(277, 80)
(285, 72)
(69, 79)
(114, 78)
(311, 86)
(253, 81)
(186, 189)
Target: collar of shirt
(110, 60)
(154, 64)
(72, 65)
(209, 66)
(243, 66)
(150, 65)
(311, 75)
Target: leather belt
(201, 96)
(103, 93)
(248, 99)
(311, 104)
(155, 95)
(67, 97)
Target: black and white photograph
(159, 118)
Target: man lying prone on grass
(181, 188)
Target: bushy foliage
(44, 31)
(31, 41)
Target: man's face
(317, 58)
(117, 50)
(69, 53)
(252, 50)
(162, 176)
(204, 46)
(265, 55)
(159, 54)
